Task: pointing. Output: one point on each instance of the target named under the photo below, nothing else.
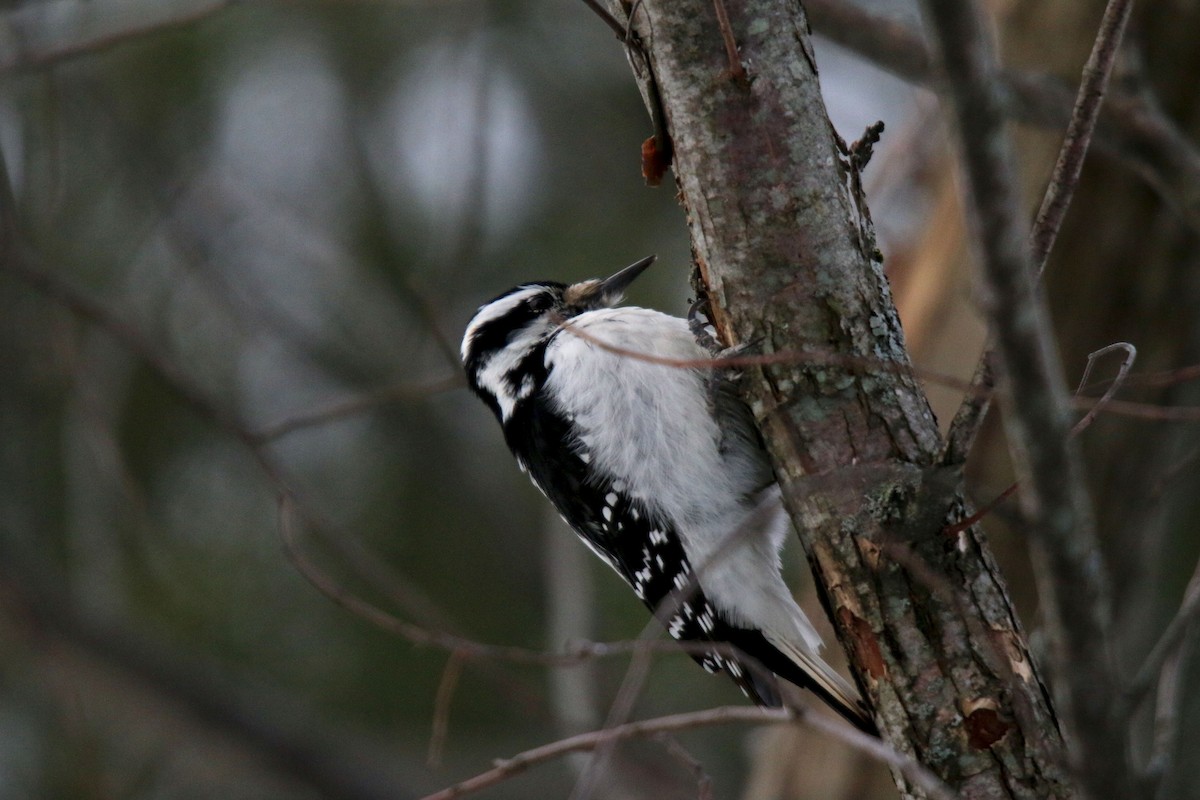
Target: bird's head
(506, 331)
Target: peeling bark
(788, 259)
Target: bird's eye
(543, 302)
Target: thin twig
(816, 358)
(1172, 636)
(704, 788)
(1086, 112)
(968, 420)
(470, 649)
(663, 149)
(1114, 387)
(1173, 471)
(1125, 408)
(1150, 411)
(973, 519)
(736, 70)
(619, 711)
(357, 405)
(37, 41)
(258, 721)
(508, 767)
(1132, 128)
(724, 715)
(1157, 380)
(607, 18)
(441, 708)
(1166, 719)
(416, 634)
(427, 308)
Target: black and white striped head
(503, 346)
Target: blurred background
(241, 242)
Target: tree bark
(787, 256)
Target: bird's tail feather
(829, 685)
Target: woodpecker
(647, 453)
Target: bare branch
(441, 708)
(1168, 643)
(1166, 721)
(259, 718)
(1150, 411)
(355, 406)
(968, 420)
(736, 70)
(816, 358)
(43, 34)
(469, 649)
(607, 18)
(1059, 193)
(1170, 377)
(507, 768)
(1114, 387)
(1072, 582)
(1086, 112)
(704, 790)
(1131, 128)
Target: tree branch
(1063, 182)
(1072, 580)
(1131, 127)
(333, 763)
(786, 253)
(724, 715)
(1084, 115)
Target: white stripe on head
(500, 366)
(494, 311)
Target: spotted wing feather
(642, 549)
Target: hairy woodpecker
(658, 467)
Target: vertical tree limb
(787, 256)
(1071, 580)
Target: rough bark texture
(787, 258)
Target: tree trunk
(786, 253)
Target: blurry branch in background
(1072, 582)
(1169, 643)
(40, 35)
(461, 648)
(84, 307)
(441, 709)
(571, 612)
(1086, 112)
(704, 790)
(1133, 128)
(354, 406)
(642, 649)
(1161, 671)
(1057, 199)
(1113, 387)
(269, 722)
(1094, 408)
(509, 767)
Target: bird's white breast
(648, 424)
(651, 428)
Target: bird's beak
(614, 286)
